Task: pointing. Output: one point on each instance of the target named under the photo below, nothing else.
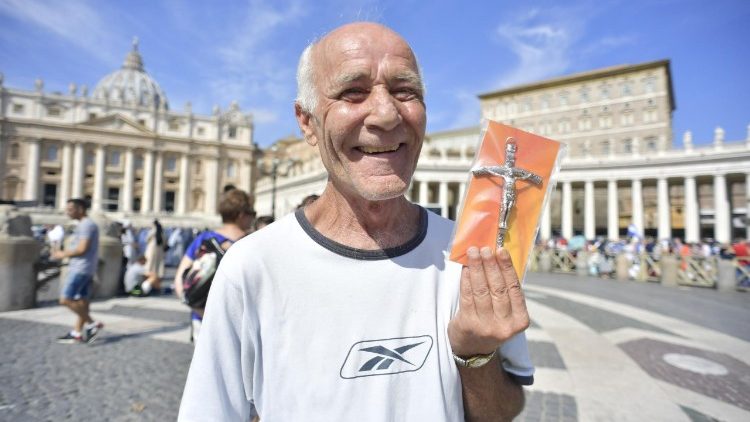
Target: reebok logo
(386, 357)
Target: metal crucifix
(510, 175)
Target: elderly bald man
(347, 309)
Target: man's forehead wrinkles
(348, 77)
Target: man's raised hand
(492, 308)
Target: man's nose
(383, 113)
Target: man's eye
(405, 94)
(354, 95)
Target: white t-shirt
(303, 328)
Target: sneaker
(93, 331)
(69, 338)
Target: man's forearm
(490, 394)
(74, 253)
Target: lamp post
(276, 164)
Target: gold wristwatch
(476, 361)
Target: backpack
(196, 280)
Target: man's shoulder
(87, 224)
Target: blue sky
(218, 51)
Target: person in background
(55, 237)
(129, 251)
(237, 218)
(138, 281)
(83, 257)
(741, 250)
(155, 243)
(262, 221)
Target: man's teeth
(375, 150)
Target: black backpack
(197, 278)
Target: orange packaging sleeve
(478, 221)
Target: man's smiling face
(369, 121)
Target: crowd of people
(601, 252)
(146, 251)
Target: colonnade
(73, 177)
(722, 210)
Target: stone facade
(614, 111)
(121, 147)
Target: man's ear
(305, 122)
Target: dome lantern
(131, 85)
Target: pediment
(117, 122)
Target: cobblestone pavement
(607, 350)
(604, 350)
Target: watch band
(476, 361)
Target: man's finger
(497, 275)
(465, 296)
(513, 286)
(480, 290)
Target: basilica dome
(131, 85)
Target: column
(424, 193)
(98, 197)
(692, 218)
(67, 174)
(664, 209)
(721, 210)
(159, 182)
(443, 193)
(747, 198)
(244, 171)
(211, 183)
(32, 170)
(79, 171)
(148, 182)
(409, 193)
(613, 217)
(567, 210)
(589, 216)
(127, 183)
(462, 191)
(637, 198)
(546, 222)
(184, 189)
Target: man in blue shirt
(83, 255)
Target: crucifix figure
(510, 175)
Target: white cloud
(548, 42)
(542, 42)
(263, 116)
(250, 69)
(75, 21)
